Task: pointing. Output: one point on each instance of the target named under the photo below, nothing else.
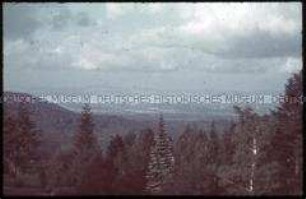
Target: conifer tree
(116, 155)
(10, 144)
(21, 140)
(85, 146)
(287, 141)
(85, 140)
(214, 160)
(248, 175)
(28, 138)
(139, 157)
(160, 169)
(191, 163)
(228, 146)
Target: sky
(96, 47)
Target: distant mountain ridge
(59, 124)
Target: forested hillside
(54, 151)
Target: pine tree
(228, 147)
(184, 156)
(131, 162)
(10, 144)
(287, 141)
(248, 174)
(191, 163)
(116, 154)
(21, 140)
(85, 140)
(160, 169)
(214, 160)
(28, 139)
(226, 156)
(115, 147)
(85, 146)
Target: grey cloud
(84, 20)
(61, 19)
(124, 57)
(19, 21)
(65, 18)
(189, 59)
(262, 44)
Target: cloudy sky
(151, 46)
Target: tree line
(256, 155)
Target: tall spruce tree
(10, 144)
(85, 146)
(214, 160)
(21, 140)
(28, 138)
(139, 157)
(287, 141)
(116, 157)
(160, 169)
(227, 147)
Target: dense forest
(256, 155)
